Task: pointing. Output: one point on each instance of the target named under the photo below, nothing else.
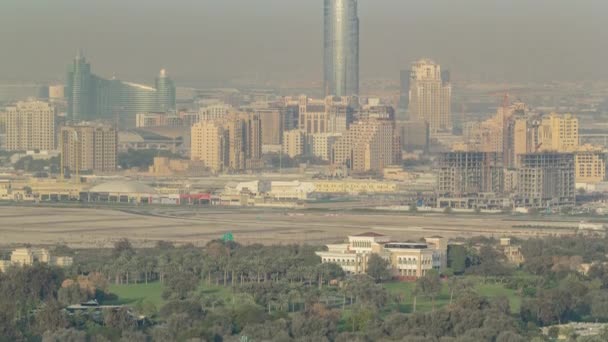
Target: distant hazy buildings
(88, 147)
(166, 120)
(56, 92)
(430, 96)
(404, 94)
(414, 135)
(90, 97)
(30, 125)
(341, 46)
(213, 111)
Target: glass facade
(94, 98)
(341, 44)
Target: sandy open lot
(92, 227)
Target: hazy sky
(282, 39)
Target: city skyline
(500, 42)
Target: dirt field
(88, 227)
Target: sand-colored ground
(91, 227)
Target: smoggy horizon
(274, 40)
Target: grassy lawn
(498, 290)
(152, 292)
(424, 304)
(133, 293)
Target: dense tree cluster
(284, 293)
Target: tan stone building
(408, 260)
(430, 96)
(321, 144)
(590, 164)
(366, 146)
(294, 143)
(208, 144)
(232, 143)
(164, 166)
(328, 115)
(88, 146)
(30, 125)
(558, 133)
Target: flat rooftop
(406, 245)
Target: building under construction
(546, 180)
(466, 173)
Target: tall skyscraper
(30, 125)
(91, 97)
(341, 43)
(80, 89)
(88, 147)
(430, 96)
(166, 92)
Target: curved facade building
(91, 97)
(341, 44)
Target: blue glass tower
(341, 44)
(91, 97)
(80, 89)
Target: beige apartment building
(30, 125)
(208, 143)
(430, 96)
(366, 146)
(558, 133)
(328, 115)
(88, 146)
(408, 260)
(321, 144)
(294, 143)
(232, 143)
(215, 111)
(590, 164)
